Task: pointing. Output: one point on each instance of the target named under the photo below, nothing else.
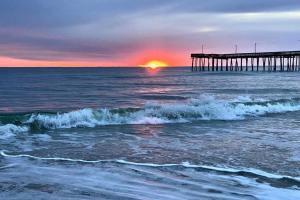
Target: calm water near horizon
(129, 133)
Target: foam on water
(10, 130)
(155, 113)
(204, 108)
(255, 172)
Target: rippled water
(103, 133)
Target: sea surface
(135, 133)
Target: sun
(153, 64)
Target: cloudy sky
(131, 32)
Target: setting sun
(155, 64)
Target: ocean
(133, 133)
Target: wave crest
(194, 109)
(10, 130)
(207, 108)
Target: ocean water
(131, 133)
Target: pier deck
(264, 61)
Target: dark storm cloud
(62, 29)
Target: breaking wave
(10, 130)
(207, 108)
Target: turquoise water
(115, 133)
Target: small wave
(251, 173)
(163, 97)
(205, 108)
(10, 130)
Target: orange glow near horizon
(146, 58)
(158, 58)
(13, 62)
(153, 71)
(153, 64)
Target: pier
(285, 61)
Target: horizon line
(86, 66)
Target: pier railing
(285, 61)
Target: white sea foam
(183, 164)
(194, 109)
(9, 130)
(80, 118)
(204, 108)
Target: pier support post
(241, 64)
(226, 64)
(222, 64)
(236, 64)
(197, 64)
(293, 64)
(275, 64)
(264, 64)
(298, 63)
(193, 63)
(269, 64)
(257, 67)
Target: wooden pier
(285, 61)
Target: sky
(133, 32)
